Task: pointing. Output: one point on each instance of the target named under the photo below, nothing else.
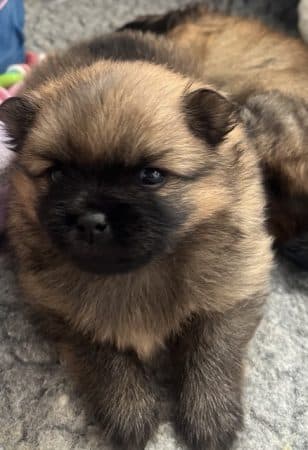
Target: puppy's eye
(55, 173)
(149, 176)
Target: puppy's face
(116, 163)
(109, 217)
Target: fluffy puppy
(141, 209)
(266, 73)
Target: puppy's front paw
(198, 439)
(131, 423)
(134, 432)
(207, 421)
(118, 391)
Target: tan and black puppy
(137, 220)
(266, 72)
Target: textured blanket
(38, 406)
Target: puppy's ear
(210, 115)
(17, 115)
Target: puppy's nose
(92, 227)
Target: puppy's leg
(116, 386)
(118, 389)
(209, 369)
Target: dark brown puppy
(136, 216)
(266, 72)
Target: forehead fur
(116, 112)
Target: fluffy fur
(183, 272)
(266, 73)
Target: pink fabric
(4, 94)
(14, 90)
(3, 3)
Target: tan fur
(243, 55)
(135, 329)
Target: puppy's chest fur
(132, 312)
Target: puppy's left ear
(210, 115)
(17, 115)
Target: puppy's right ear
(17, 115)
(210, 115)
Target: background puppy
(266, 73)
(140, 203)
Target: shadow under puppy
(137, 220)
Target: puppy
(266, 73)
(140, 204)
